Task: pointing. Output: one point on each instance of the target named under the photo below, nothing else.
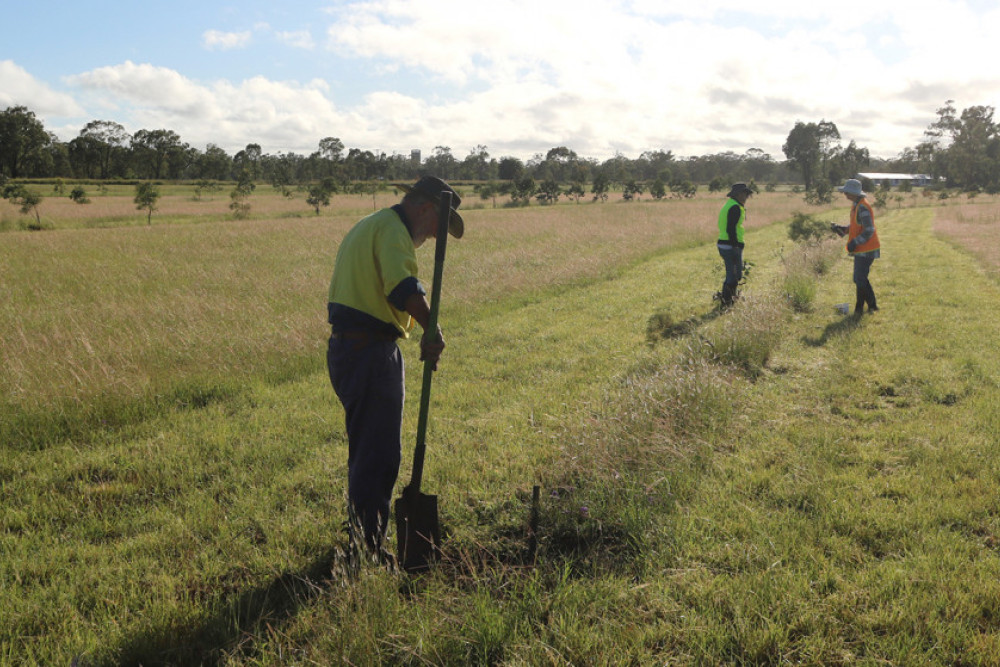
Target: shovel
(418, 534)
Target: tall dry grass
(974, 226)
(517, 250)
(132, 311)
(87, 313)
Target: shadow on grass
(36, 430)
(661, 326)
(80, 421)
(234, 622)
(841, 326)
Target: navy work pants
(865, 292)
(368, 377)
(862, 266)
(732, 258)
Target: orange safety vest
(855, 229)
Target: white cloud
(625, 75)
(19, 88)
(147, 86)
(300, 39)
(281, 116)
(216, 40)
(703, 76)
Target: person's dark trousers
(368, 377)
(732, 259)
(863, 288)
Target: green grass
(767, 486)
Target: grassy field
(775, 485)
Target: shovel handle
(444, 216)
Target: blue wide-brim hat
(852, 186)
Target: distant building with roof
(895, 180)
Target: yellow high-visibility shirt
(373, 259)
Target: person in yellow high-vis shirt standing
(373, 300)
(862, 244)
(731, 221)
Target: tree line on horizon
(960, 150)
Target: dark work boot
(728, 295)
(859, 301)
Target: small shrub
(881, 198)
(79, 195)
(806, 228)
(240, 196)
(21, 196)
(658, 190)
(146, 196)
(821, 193)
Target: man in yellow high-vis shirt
(373, 300)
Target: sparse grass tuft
(746, 336)
(803, 267)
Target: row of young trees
(963, 149)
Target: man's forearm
(419, 309)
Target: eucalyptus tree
(214, 164)
(558, 164)
(329, 158)
(247, 161)
(510, 168)
(22, 139)
(654, 164)
(808, 148)
(759, 164)
(100, 150)
(240, 195)
(846, 162)
(152, 150)
(442, 163)
(476, 165)
(599, 188)
(966, 146)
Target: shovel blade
(418, 535)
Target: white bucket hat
(852, 187)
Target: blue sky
(517, 76)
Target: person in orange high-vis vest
(862, 244)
